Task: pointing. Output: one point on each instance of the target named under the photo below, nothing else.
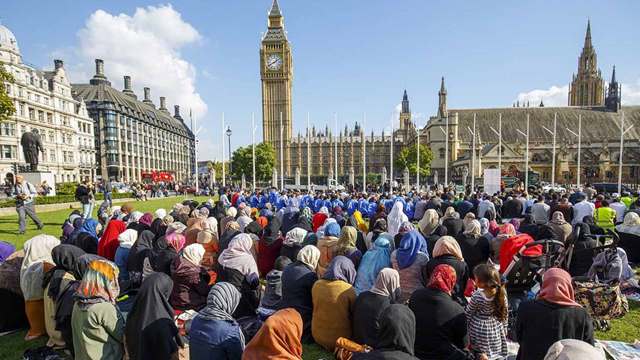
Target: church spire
(613, 102)
(613, 75)
(405, 103)
(442, 100)
(587, 37)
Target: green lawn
(12, 346)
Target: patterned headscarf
(99, 284)
(222, 301)
(443, 278)
(176, 240)
(306, 213)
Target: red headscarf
(443, 278)
(318, 220)
(263, 221)
(557, 288)
(109, 243)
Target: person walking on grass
(25, 194)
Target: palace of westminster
(589, 99)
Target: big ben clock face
(274, 62)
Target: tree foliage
(242, 162)
(408, 158)
(6, 104)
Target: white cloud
(558, 95)
(631, 93)
(554, 96)
(147, 47)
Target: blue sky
(350, 57)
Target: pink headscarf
(146, 219)
(176, 241)
(557, 288)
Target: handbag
(602, 301)
(345, 348)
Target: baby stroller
(599, 291)
(523, 275)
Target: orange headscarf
(557, 288)
(278, 338)
(263, 221)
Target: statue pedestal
(36, 178)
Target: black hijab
(162, 256)
(272, 231)
(64, 257)
(150, 331)
(140, 250)
(397, 330)
(219, 211)
(139, 227)
(253, 228)
(304, 223)
(158, 228)
(86, 242)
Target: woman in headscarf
(484, 229)
(304, 220)
(87, 238)
(333, 298)
(319, 218)
(558, 228)
(146, 219)
(475, 248)
(77, 227)
(582, 257)
(445, 336)
(126, 240)
(67, 227)
(292, 243)
(506, 231)
(370, 305)
(553, 316)
(245, 217)
(278, 338)
(214, 333)
(194, 226)
(13, 316)
(230, 216)
(151, 332)
(447, 251)
(108, 243)
(451, 220)
(430, 228)
(380, 213)
(404, 228)
(630, 225)
(37, 260)
(209, 241)
(408, 259)
(164, 253)
(379, 227)
(528, 226)
(230, 231)
(236, 265)
(140, 250)
(347, 245)
(373, 261)
(270, 301)
(190, 280)
(490, 215)
(297, 281)
(269, 246)
(397, 336)
(159, 225)
(134, 222)
(290, 215)
(328, 246)
(395, 218)
(569, 349)
(54, 282)
(97, 325)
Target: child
(487, 314)
(273, 292)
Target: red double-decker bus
(154, 177)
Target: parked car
(610, 188)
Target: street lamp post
(224, 176)
(499, 133)
(391, 157)
(417, 158)
(228, 132)
(473, 154)
(623, 131)
(308, 154)
(445, 131)
(579, 136)
(253, 149)
(526, 155)
(553, 160)
(364, 153)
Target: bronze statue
(31, 147)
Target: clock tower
(276, 73)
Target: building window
(8, 129)
(41, 115)
(52, 136)
(441, 151)
(8, 151)
(8, 88)
(50, 118)
(32, 114)
(52, 156)
(23, 129)
(22, 109)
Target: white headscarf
(630, 225)
(232, 212)
(160, 213)
(238, 255)
(295, 236)
(36, 250)
(309, 255)
(193, 253)
(395, 218)
(127, 238)
(135, 217)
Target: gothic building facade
(596, 118)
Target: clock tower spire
(276, 73)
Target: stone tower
(613, 102)
(276, 72)
(442, 100)
(587, 87)
(405, 113)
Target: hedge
(59, 199)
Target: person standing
(84, 196)
(108, 192)
(25, 194)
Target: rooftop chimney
(176, 112)
(57, 64)
(147, 96)
(163, 103)
(99, 77)
(127, 86)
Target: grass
(12, 346)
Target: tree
(242, 162)
(407, 158)
(6, 104)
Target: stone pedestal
(274, 179)
(384, 176)
(352, 177)
(405, 178)
(244, 182)
(36, 178)
(297, 177)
